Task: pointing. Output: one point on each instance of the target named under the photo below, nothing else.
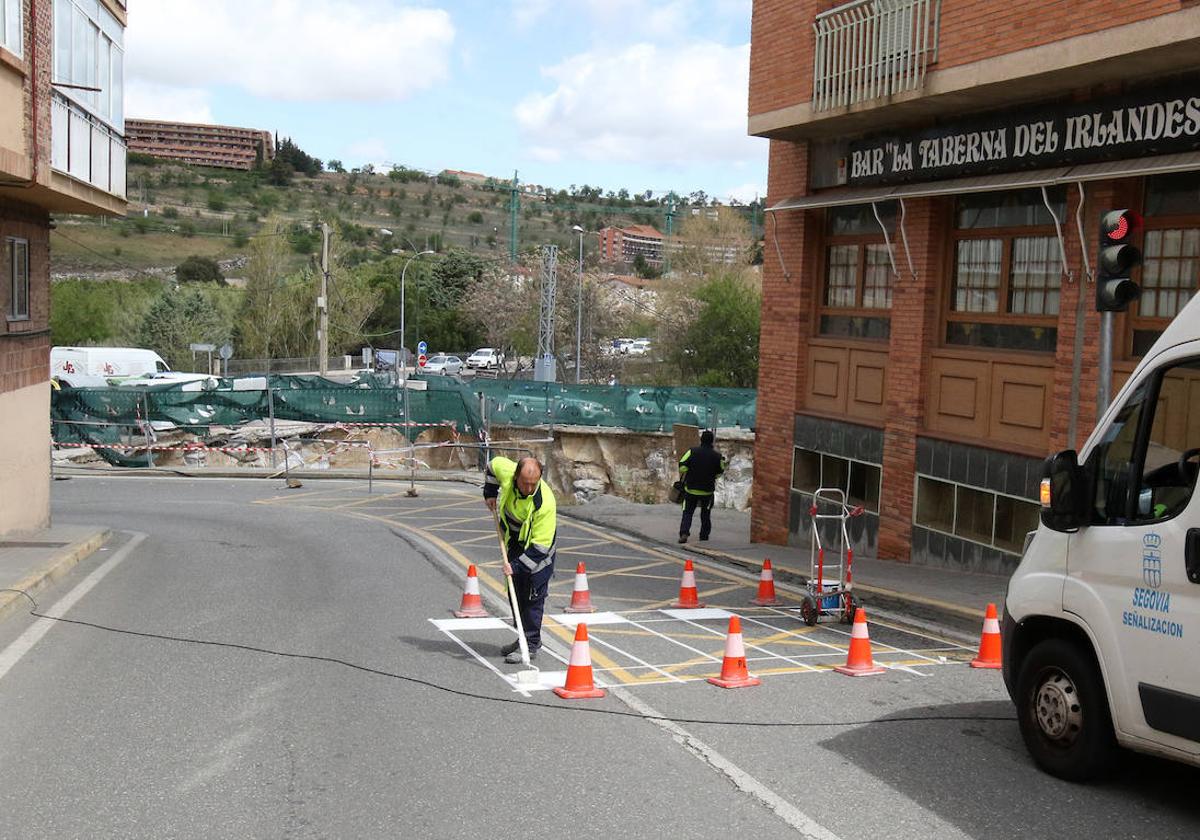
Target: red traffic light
(1118, 225)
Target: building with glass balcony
(937, 173)
(61, 151)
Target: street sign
(422, 348)
(421, 360)
(226, 352)
(202, 348)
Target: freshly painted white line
(699, 614)
(487, 623)
(12, 654)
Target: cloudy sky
(642, 94)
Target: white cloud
(646, 104)
(528, 12)
(146, 100)
(294, 50)
(368, 150)
(659, 21)
(745, 193)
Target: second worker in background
(698, 469)
(528, 517)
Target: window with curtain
(11, 28)
(1170, 272)
(1007, 271)
(856, 298)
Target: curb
(12, 603)
(918, 607)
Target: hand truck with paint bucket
(829, 582)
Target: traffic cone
(989, 642)
(579, 671)
(733, 667)
(581, 598)
(472, 604)
(858, 659)
(766, 588)
(689, 599)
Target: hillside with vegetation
(208, 255)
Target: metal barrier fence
(118, 420)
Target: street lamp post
(412, 489)
(579, 311)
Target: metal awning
(1183, 162)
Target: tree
(336, 166)
(178, 318)
(280, 172)
(711, 241)
(297, 158)
(720, 347)
(196, 269)
(264, 293)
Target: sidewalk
(32, 562)
(942, 596)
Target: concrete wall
(25, 460)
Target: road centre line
(12, 654)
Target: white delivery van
(80, 366)
(1101, 624)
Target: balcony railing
(85, 148)
(870, 49)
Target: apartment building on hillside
(198, 144)
(937, 172)
(62, 150)
(627, 244)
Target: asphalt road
(263, 663)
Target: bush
(216, 202)
(196, 269)
(170, 213)
(187, 229)
(475, 217)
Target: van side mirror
(1064, 493)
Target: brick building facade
(61, 151)
(198, 144)
(936, 175)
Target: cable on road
(366, 669)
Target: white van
(1102, 617)
(82, 366)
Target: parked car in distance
(446, 365)
(485, 358)
(639, 347)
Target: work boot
(507, 649)
(683, 538)
(514, 656)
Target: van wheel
(1063, 712)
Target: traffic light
(1118, 257)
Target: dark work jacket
(700, 467)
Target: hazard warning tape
(143, 448)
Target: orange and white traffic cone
(581, 598)
(733, 666)
(579, 683)
(858, 659)
(766, 588)
(989, 642)
(689, 598)
(472, 604)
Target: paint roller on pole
(529, 675)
